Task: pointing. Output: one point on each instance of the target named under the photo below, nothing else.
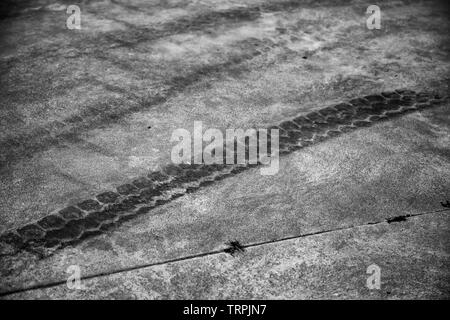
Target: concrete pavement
(84, 111)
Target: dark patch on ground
(93, 217)
(13, 8)
(446, 204)
(398, 219)
(109, 112)
(234, 247)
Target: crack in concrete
(234, 246)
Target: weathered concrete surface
(392, 169)
(76, 107)
(413, 257)
(77, 104)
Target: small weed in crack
(234, 246)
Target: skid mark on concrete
(91, 217)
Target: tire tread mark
(88, 218)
